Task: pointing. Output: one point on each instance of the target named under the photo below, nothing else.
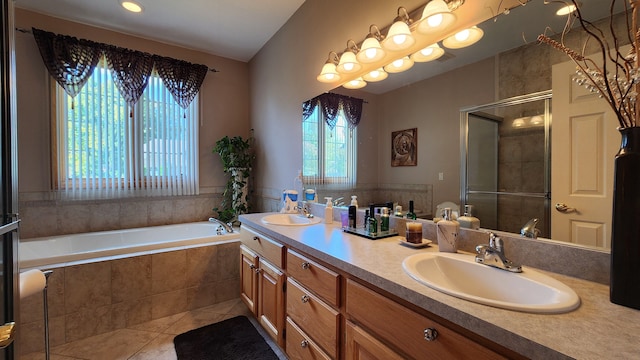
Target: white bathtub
(65, 250)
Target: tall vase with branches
(615, 77)
(237, 156)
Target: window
(106, 147)
(329, 154)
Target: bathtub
(65, 250)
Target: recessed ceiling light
(566, 10)
(131, 6)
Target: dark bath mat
(231, 339)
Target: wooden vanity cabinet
(263, 280)
(313, 297)
(412, 333)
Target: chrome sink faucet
(493, 255)
(227, 226)
(529, 229)
(303, 210)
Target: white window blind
(328, 155)
(107, 149)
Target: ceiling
(238, 29)
(234, 29)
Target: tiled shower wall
(44, 217)
(91, 299)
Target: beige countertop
(598, 329)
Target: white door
(584, 142)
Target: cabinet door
(362, 346)
(248, 278)
(271, 300)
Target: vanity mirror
(519, 65)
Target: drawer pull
(255, 238)
(305, 298)
(306, 265)
(430, 334)
(257, 270)
(251, 266)
(304, 344)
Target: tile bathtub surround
(92, 299)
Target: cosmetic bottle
(384, 219)
(353, 211)
(373, 223)
(447, 230)
(468, 221)
(411, 215)
(366, 220)
(328, 211)
(354, 201)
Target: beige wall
(224, 99)
(283, 75)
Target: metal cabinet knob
(305, 298)
(255, 238)
(304, 343)
(430, 334)
(306, 265)
(251, 266)
(257, 270)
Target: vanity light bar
(412, 41)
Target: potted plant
(237, 157)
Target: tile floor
(149, 341)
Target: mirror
(521, 67)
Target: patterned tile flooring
(149, 341)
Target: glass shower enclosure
(506, 162)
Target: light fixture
(566, 10)
(429, 53)
(348, 61)
(131, 6)
(356, 83)
(371, 50)
(399, 36)
(463, 38)
(436, 17)
(517, 123)
(375, 75)
(536, 120)
(399, 65)
(329, 73)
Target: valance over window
(330, 104)
(71, 61)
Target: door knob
(563, 208)
(7, 332)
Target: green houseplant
(237, 157)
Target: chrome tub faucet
(227, 226)
(493, 255)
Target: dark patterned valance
(71, 61)
(330, 104)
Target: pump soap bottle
(328, 211)
(354, 201)
(468, 220)
(448, 233)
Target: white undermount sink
(459, 275)
(290, 219)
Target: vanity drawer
(300, 346)
(405, 328)
(265, 247)
(314, 277)
(317, 319)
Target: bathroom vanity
(322, 293)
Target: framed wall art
(404, 147)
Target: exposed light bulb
(434, 20)
(370, 53)
(400, 39)
(462, 35)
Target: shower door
(505, 157)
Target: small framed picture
(404, 147)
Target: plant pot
(625, 236)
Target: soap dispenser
(447, 233)
(328, 211)
(467, 220)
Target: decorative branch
(617, 77)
